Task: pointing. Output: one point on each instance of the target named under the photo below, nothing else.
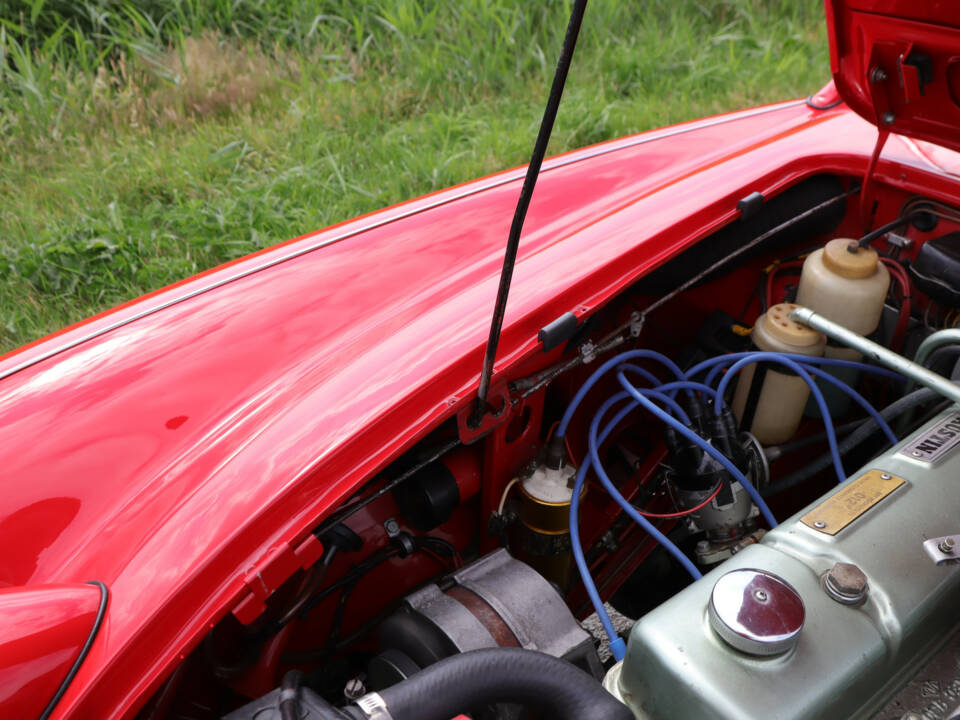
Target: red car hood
(897, 64)
(166, 446)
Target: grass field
(142, 142)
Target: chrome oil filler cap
(756, 612)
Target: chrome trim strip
(598, 152)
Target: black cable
(523, 203)
(71, 673)
(358, 571)
(757, 289)
(355, 507)
(905, 404)
(337, 621)
(317, 575)
(892, 225)
(839, 430)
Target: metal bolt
(947, 546)
(391, 526)
(760, 595)
(845, 583)
(885, 476)
(847, 579)
(917, 453)
(819, 524)
(888, 118)
(354, 689)
(703, 546)
(878, 75)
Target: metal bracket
(943, 550)
(900, 241)
(588, 352)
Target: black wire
(358, 571)
(317, 574)
(753, 294)
(337, 621)
(892, 225)
(523, 203)
(71, 673)
(346, 512)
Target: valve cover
(850, 656)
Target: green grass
(143, 142)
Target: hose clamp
(374, 707)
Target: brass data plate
(853, 500)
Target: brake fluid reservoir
(845, 283)
(772, 407)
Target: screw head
(819, 524)
(391, 526)
(947, 546)
(917, 453)
(760, 595)
(354, 689)
(878, 75)
(888, 118)
(885, 476)
(703, 546)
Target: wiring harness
(660, 401)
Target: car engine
(740, 505)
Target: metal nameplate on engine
(853, 500)
(936, 441)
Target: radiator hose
(474, 679)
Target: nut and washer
(943, 550)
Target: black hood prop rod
(520, 214)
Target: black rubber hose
(904, 405)
(477, 678)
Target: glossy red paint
(170, 454)
(42, 633)
(897, 63)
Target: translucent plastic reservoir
(776, 406)
(845, 285)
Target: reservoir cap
(756, 612)
(838, 258)
(777, 323)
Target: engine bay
(695, 426)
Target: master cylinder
(829, 615)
